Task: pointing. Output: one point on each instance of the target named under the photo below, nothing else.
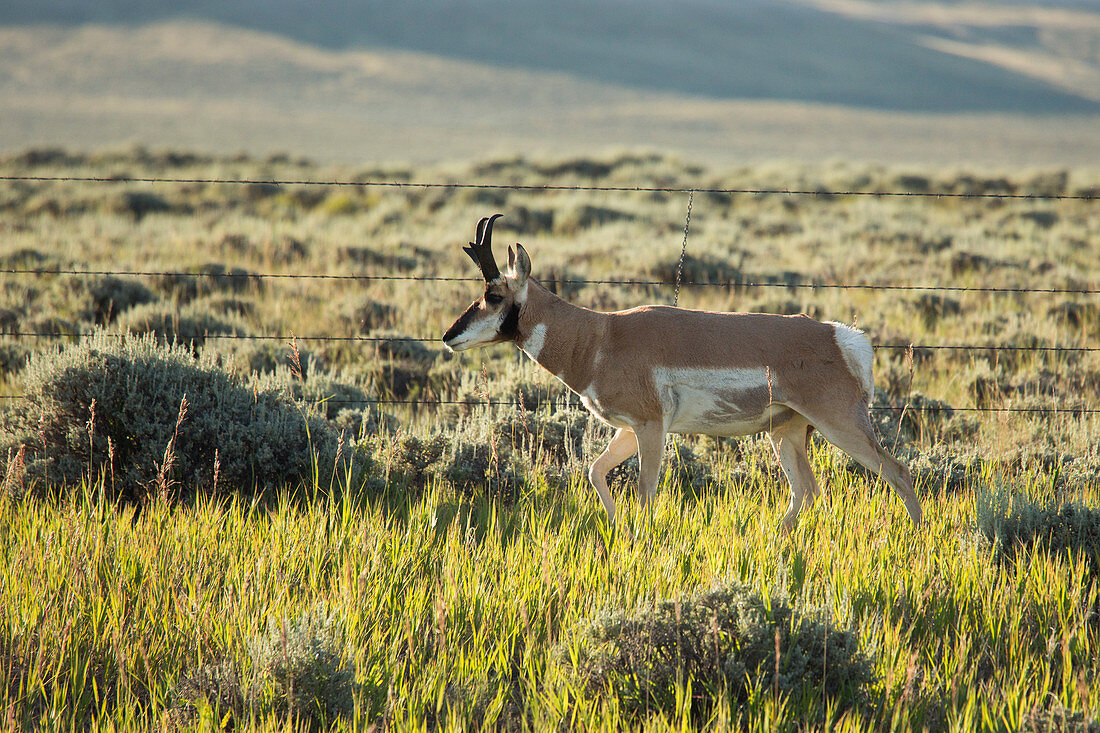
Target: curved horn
(487, 232)
(481, 251)
(472, 249)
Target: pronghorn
(656, 369)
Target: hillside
(919, 57)
(225, 89)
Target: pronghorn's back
(657, 369)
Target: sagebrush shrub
(934, 307)
(24, 257)
(1014, 522)
(260, 435)
(366, 258)
(908, 418)
(513, 385)
(556, 435)
(360, 314)
(471, 463)
(1059, 719)
(208, 279)
(217, 685)
(227, 305)
(702, 269)
(362, 421)
(50, 324)
(1075, 314)
(944, 471)
(299, 669)
(681, 465)
(139, 204)
(189, 325)
(576, 218)
(269, 356)
(295, 670)
(393, 345)
(723, 641)
(12, 357)
(96, 299)
(491, 452)
(282, 250)
(9, 319)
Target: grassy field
(448, 566)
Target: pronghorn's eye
(493, 298)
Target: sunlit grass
(460, 611)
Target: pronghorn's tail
(858, 355)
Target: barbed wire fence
(736, 284)
(375, 183)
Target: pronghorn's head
(494, 317)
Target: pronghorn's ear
(519, 265)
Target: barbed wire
(731, 284)
(565, 401)
(368, 183)
(873, 408)
(432, 339)
(740, 283)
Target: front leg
(621, 447)
(651, 452)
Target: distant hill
(911, 83)
(871, 55)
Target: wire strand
(1088, 196)
(433, 339)
(516, 403)
(732, 284)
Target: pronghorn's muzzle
(452, 339)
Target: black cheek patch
(509, 329)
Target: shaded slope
(753, 49)
(223, 89)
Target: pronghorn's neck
(563, 338)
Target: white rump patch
(858, 355)
(532, 345)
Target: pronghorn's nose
(452, 333)
(453, 345)
(458, 327)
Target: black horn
(481, 251)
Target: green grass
(461, 603)
(460, 611)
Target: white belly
(724, 402)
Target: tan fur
(643, 369)
(801, 353)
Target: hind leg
(651, 453)
(853, 434)
(790, 443)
